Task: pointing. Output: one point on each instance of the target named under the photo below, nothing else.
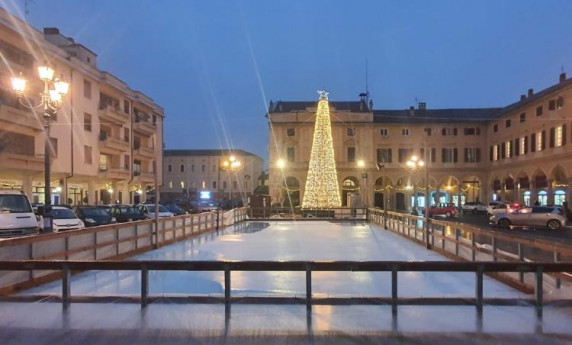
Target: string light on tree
(322, 190)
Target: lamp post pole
(51, 101)
(415, 163)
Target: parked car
(206, 206)
(126, 213)
(503, 207)
(175, 209)
(93, 216)
(149, 211)
(16, 214)
(448, 210)
(474, 207)
(536, 216)
(63, 219)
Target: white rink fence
(108, 242)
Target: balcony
(26, 118)
(114, 173)
(112, 114)
(145, 152)
(19, 162)
(108, 143)
(145, 177)
(143, 124)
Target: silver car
(536, 216)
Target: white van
(16, 215)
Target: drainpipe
(71, 146)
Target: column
(27, 186)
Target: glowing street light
(51, 101)
(281, 164)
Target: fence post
(226, 284)
(308, 287)
(473, 244)
(557, 259)
(521, 259)
(394, 289)
(479, 288)
(66, 285)
(539, 292)
(144, 286)
(494, 244)
(456, 242)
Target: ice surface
(122, 323)
(317, 240)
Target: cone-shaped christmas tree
(322, 181)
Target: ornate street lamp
(51, 101)
(415, 163)
(231, 164)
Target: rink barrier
(114, 241)
(467, 242)
(287, 213)
(227, 267)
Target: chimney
(562, 77)
(522, 98)
(530, 93)
(411, 111)
(422, 106)
(51, 31)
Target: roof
(287, 107)
(474, 115)
(212, 152)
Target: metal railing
(470, 243)
(479, 268)
(289, 213)
(116, 241)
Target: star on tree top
(323, 94)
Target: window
(87, 154)
(214, 184)
(86, 89)
(472, 155)
(552, 104)
(522, 146)
(203, 169)
(403, 155)
(53, 147)
(169, 168)
(495, 128)
(291, 154)
(384, 155)
(539, 110)
(170, 184)
(508, 148)
(291, 132)
(103, 162)
(560, 102)
(560, 136)
(87, 122)
(449, 131)
(223, 184)
(428, 131)
(433, 154)
(383, 132)
(126, 162)
(449, 155)
(351, 154)
(523, 117)
(204, 185)
(405, 132)
(539, 141)
(126, 134)
(495, 153)
(350, 132)
(182, 183)
(192, 168)
(126, 106)
(507, 123)
(472, 131)
(182, 168)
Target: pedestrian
(566, 210)
(536, 203)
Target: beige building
(521, 152)
(105, 140)
(189, 172)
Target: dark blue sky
(215, 65)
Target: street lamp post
(51, 101)
(415, 163)
(231, 164)
(361, 165)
